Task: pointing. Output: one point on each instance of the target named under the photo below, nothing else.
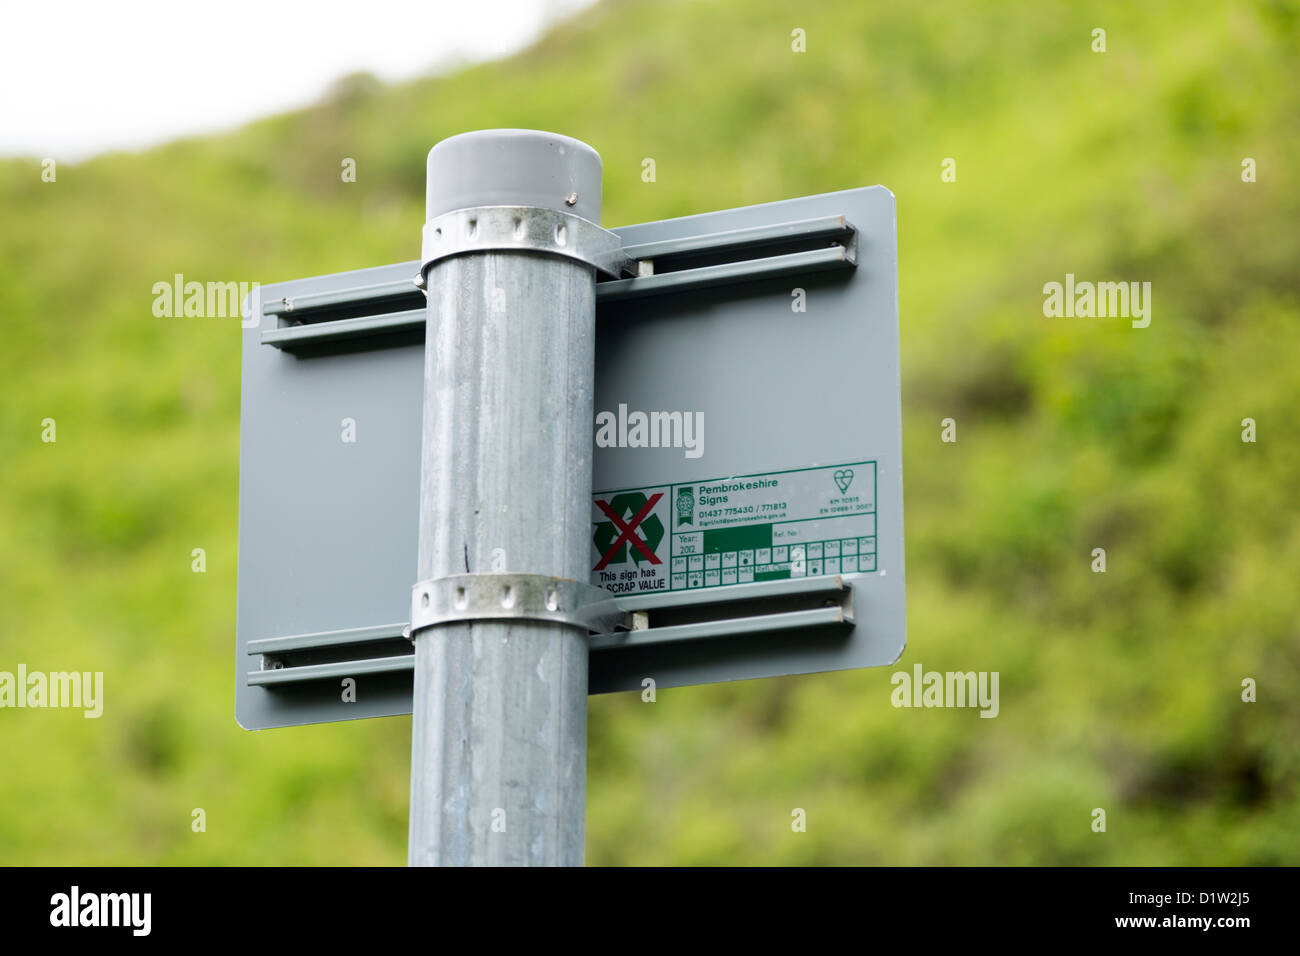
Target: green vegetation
(1119, 690)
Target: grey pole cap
(514, 167)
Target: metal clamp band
(529, 228)
(511, 597)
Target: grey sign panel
(747, 499)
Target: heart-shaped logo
(844, 478)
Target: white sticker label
(787, 524)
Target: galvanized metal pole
(499, 746)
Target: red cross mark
(627, 531)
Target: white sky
(85, 76)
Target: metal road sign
(747, 502)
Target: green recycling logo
(630, 522)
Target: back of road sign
(747, 499)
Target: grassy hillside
(1119, 690)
